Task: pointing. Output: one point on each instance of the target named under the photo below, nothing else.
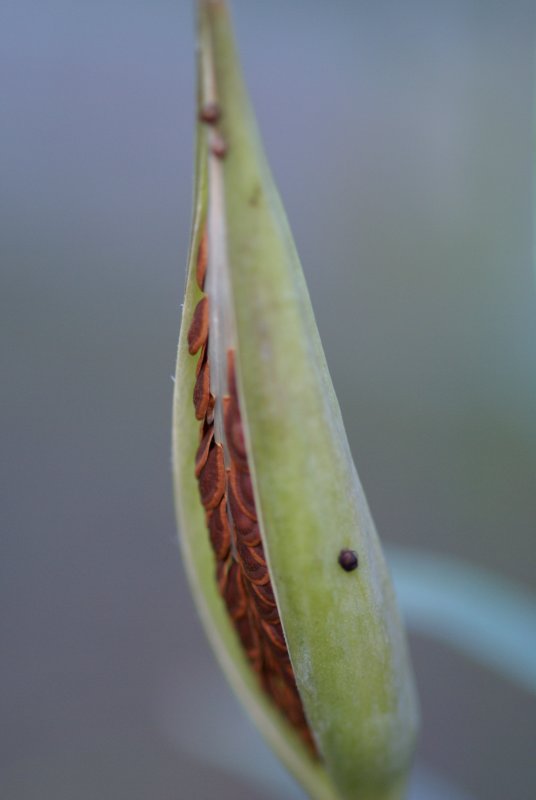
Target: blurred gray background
(400, 137)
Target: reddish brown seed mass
(198, 332)
(227, 495)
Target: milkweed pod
(278, 541)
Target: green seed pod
(277, 537)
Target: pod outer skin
(343, 631)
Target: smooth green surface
(343, 631)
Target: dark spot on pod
(219, 531)
(210, 113)
(202, 391)
(202, 258)
(348, 560)
(218, 146)
(198, 332)
(212, 478)
(203, 450)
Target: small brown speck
(348, 560)
(219, 146)
(210, 113)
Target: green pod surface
(342, 629)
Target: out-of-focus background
(400, 138)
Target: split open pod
(278, 541)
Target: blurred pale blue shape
(482, 614)
(246, 755)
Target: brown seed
(264, 594)
(198, 332)
(274, 632)
(219, 531)
(252, 536)
(235, 433)
(201, 359)
(268, 613)
(251, 556)
(253, 571)
(243, 523)
(202, 391)
(212, 478)
(202, 259)
(243, 491)
(259, 576)
(210, 113)
(235, 594)
(203, 450)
